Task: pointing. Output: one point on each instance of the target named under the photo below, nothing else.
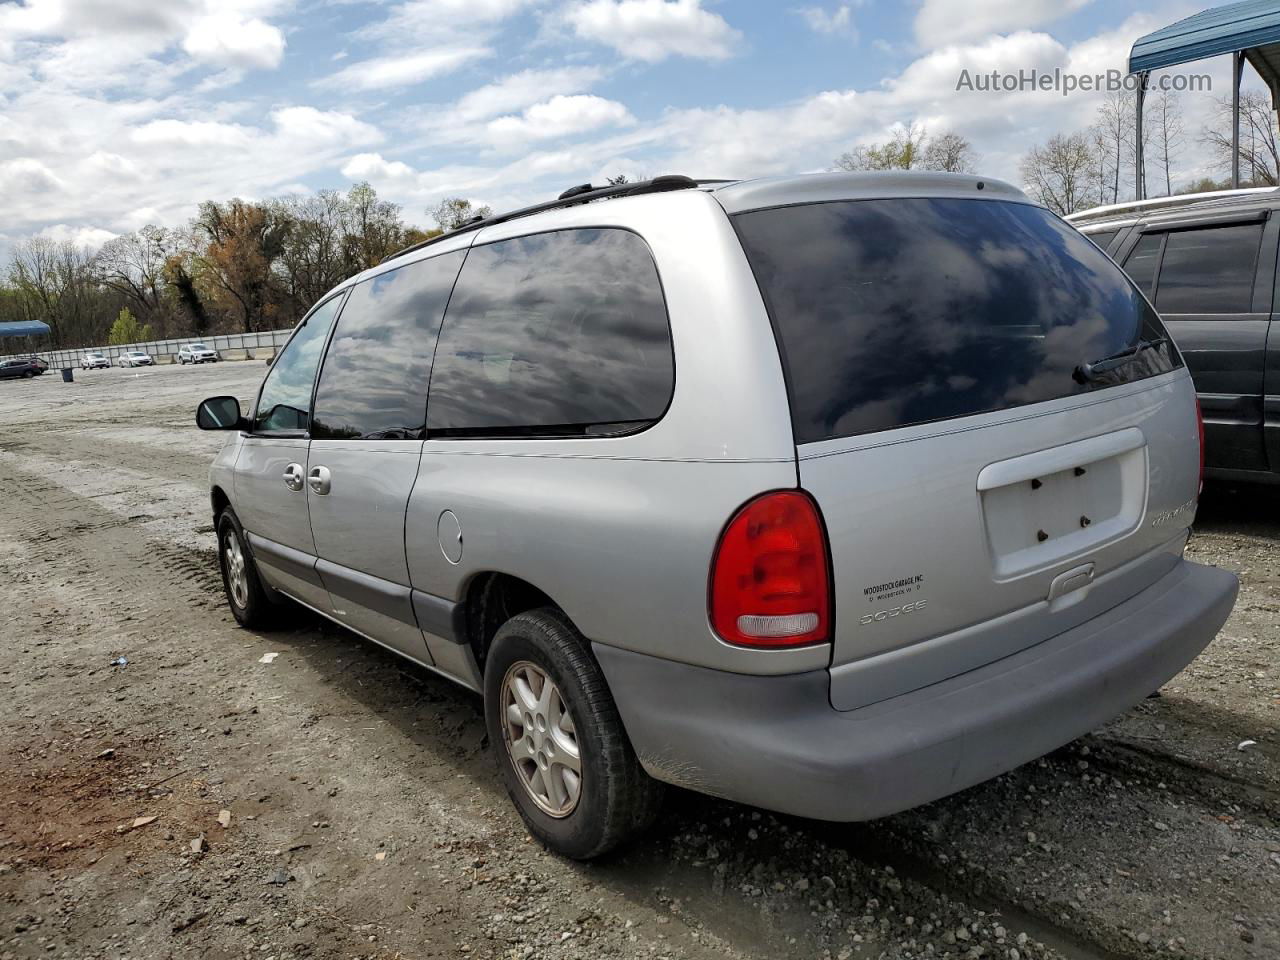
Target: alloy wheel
(541, 739)
(237, 575)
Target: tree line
(1097, 165)
(237, 266)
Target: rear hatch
(984, 488)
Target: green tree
(126, 330)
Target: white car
(94, 361)
(135, 358)
(197, 353)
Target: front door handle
(319, 480)
(293, 476)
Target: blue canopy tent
(1248, 31)
(24, 328)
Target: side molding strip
(296, 563)
(441, 617)
(381, 596)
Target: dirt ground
(363, 817)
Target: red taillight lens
(1200, 430)
(770, 583)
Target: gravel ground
(339, 802)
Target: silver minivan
(830, 494)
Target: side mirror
(220, 413)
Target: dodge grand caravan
(830, 494)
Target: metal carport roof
(24, 328)
(1249, 31)
(1237, 26)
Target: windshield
(904, 311)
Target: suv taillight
(770, 576)
(1200, 430)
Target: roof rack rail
(1162, 203)
(582, 193)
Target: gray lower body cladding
(776, 742)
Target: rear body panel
(969, 537)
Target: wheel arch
(491, 599)
(219, 501)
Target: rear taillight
(770, 581)
(1200, 431)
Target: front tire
(559, 742)
(246, 596)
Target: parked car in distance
(94, 361)
(1208, 264)
(831, 494)
(197, 353)
(40, 364)
(135, 358)
(20, 367)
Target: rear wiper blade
(1091, 372)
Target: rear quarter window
(897, 312)
(554, 334)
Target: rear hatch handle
(1090, 372)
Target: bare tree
(912, 149)
(55, 284)
(1166, 133)
(1058, 173)
(1113, 132)
(951, 153)
(1259, 152)
(133, 266)
(906, 151)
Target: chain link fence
(235, 346)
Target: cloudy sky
(118, 113)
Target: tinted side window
(285, 401)
(556, 334)
(1143, 260)
(1209, 270)
(373, 385)
(1103, 238)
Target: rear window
(905, 311)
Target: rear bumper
(776, 742)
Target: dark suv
(1208, 264)
(22, 367)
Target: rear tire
(535, 733)
(249, 601)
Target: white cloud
(28, 175)
(190, 133)
(372, 166)
(402, 70)
(520, 90)
(81, 236)
(942, 22)
(558, 117)
(652, 30)
(84, 36)
(316, 128)
(836, 21)
(226, 40)
(419, 18)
